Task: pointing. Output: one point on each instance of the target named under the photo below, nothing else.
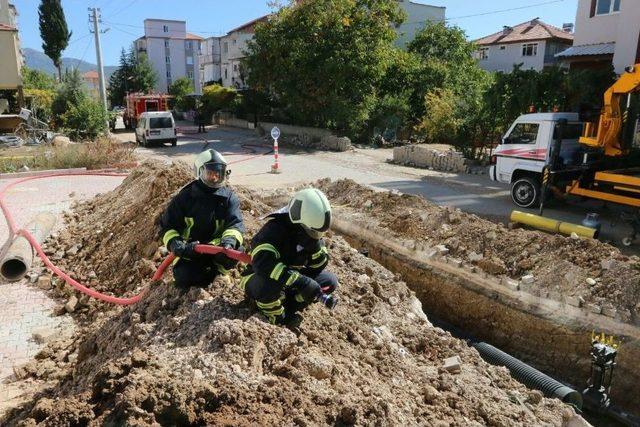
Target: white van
(156, 127)
(524, 151)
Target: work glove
(183, 249)
(228, 242)
(226, 262)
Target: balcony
(210, 59)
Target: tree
(323, 60)
(216, 97)
(53, 31)
(71, 92)
(133, 75)
(36, 79)
(180, 89)
(85, 120)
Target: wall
(503, 60)
(236, 44)
(628, 36)
(417, 14)
(210, 59)
(9, 72)
(597, 29)
(154, 28)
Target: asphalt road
(471, 193)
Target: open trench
(553, 337)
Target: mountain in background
(39, 61)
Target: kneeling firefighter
(288, 260)
(205, 211)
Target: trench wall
(549, 335)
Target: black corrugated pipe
(529, 376)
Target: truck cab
(524, 151)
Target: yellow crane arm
(609, 129)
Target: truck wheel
(525, 192)
(174, 142)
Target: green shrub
(85, 120)
(215, 98)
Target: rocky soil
(206, 356)
(590, 270)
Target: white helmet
(210, 167)
(311, 209)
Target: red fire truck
(138, 103)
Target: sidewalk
(25, 309)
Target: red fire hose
(13, 230)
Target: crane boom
(607, 135)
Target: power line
(79, 38)
(115, 27)
(123, 9)
(490, 13)
(159, 28)
(81, 59)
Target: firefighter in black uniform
(205, 211)
(288, 260)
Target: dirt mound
(561, 266)
(206, 357)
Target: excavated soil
(561, 266)
(206, 357)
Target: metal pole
(95, 18)
(275, 168)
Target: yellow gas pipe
(552, 225)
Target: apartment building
(418, 15)
(607, 33)
(172, 52)
(533, 44)
(210, 60)
(233, 50)
(11, 56)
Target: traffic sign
(275, 132)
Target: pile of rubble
(423, 156)
(582, 272)
(206, 356)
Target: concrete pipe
(552, 225)
(19, 257)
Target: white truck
(524, 151)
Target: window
(234, 41)
(605, 7)
(167, 59)
(523, 133)
(571, 131)
(503, 47)
(530, 49)
(190, 74)
(168, 74)
(189, 60)
(226, 75)
(166, 43)
(483, 53)
(189, 44)
(226, 47)
(235, 67)
(160, 123)
(165, 28)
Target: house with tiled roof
(11, 60)
(533, 44)
(172, 51)
(607, 33)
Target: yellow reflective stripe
(265, 247)
(299, 298)
(169, 235)
(215, 242)
(268, 305)
(222, 270)
(292, 278)
(277, 271)
(319, 264)
(273, 312)
(219, 225)
(233, 233)
(187, 231)
(244, 280)
(323, 250)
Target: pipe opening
(13, 269)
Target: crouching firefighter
(205, 211)
(288, 260)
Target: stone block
(610, 312)
(595, 308)
(44, 283)
(442, 249)
(576, 301)
(452, 364)
(528, 279)
(71, 304)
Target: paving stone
(576, 301)
(528, 279)
(452, 364)
(71, 304)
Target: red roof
(5, 27)
(530, 30)
(90, 75)
(250, 24)
(191, 36)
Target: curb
(39, 173)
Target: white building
(533, 44)
(418, 14)
(233, 47)
(210, 60)
(172, 52)
(11, 60)
(607, 32)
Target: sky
(124, 19)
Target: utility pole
(95, 19)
